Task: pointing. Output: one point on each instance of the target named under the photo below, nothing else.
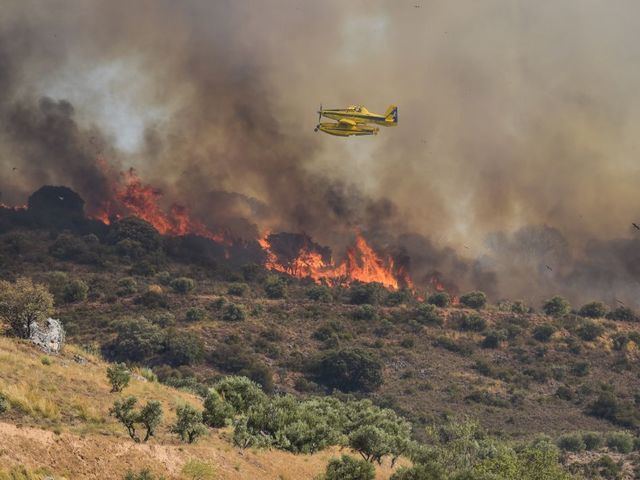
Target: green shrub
(347, 370)
(183, 348)
(233, 313)
(608, 407)
(319, 293)
(164, 319)
(556, 306)
(240, 393)
(420, 472)
(426, 314)
(398, 297)
(217, 413)
(136, 340)
(571, 442)
(275, 287)
(149, 416)
(182, 285)
(135, 231)
(622, 314)
(593, 310)
(519, 307)
(592, 440)
(144, 474)
(544, 332)
(475, 299)
(365, 293)
(620, 341)
(439, 299)
(364, 312)
(68, 247)
(621, 442)
(607, 468)
(119, 376)
(195, 314)
(153, 297)
(188, 424)
(127, 286)
(237, 289)
(590, 330)
(349, 468)
(493, 338)
(4, 403)
(470, 323)
(75, 291)
(198, 470)
(163, 278)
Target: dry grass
(58, 425)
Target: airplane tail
(391, 115)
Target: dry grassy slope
(59, 420)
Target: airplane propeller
(319, 119)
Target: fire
(135, 198)
(362, 263)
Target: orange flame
(362, 263)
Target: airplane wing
(346, 123)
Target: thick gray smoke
(513, 168)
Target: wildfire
(135, 198)
(362, 263)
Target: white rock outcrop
(49, 336)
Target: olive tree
(24, 303)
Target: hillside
(59, 426)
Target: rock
(49, 337)
(79, 359)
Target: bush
(188, 424)
(119, 376)
(135, 231)
(182, 285)
(347, 370)
(144, 474)
(608, 407)
(519, 307)
(439, 299)
(589, 331)
(136, 340)
(419, 472)
(492, 339)
(275, 287)
(622, 314)
(237, 289)
(197, 470)
(68, 247)
(426, 314)
(349, 468)
(593, 310)
(4, 403)
(149, 416)
(544, 332)
(217, 413)
(621, 442)
(240, 393)
(592, 440)
(183, 348)
(22, 303)
(320, 293)
(195, 314)
(153, 297)
(75, 291)
(127, 286)
(474, 300)
(556, 306)
(398, 297)
(364, 312)
(470, 323)
(365, 293)
(571, 442)
(233, 313)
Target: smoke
(512, 169)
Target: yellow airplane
(354, 120)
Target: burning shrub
(233, 313)
(183, 348)
(349, 468)
(593, 310)
(543, 332)
(237, 289)
(439, 299)
(556, 306)
(136, 232)
(361, 293)
(348, 370)
(319, 293)
(622, 314)
(182, 285)
(275, 287)
(475, 300)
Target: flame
(133, 197)
(362, 263)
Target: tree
(361, 293)
(593, 310)
(348, 370)
(370, 442)
(119, 376)
(439, 299)
(136, 340)
(124, 412)
(150, 417)
(349, 468)
(183, 348)
(475, 299)
(23, 303)
(240, 392)
(188, 424)
(556, 306)
(419, 472)
(217, 412)
(135, 231)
